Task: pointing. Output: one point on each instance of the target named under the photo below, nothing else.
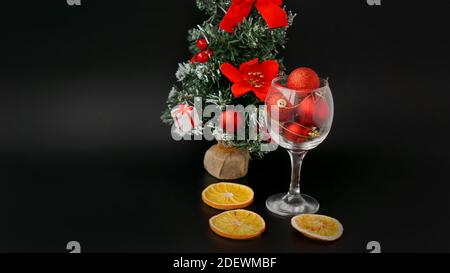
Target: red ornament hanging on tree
(231, 121)
(202, 44)
(205, 54)
(202, 57)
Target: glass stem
(296, 167)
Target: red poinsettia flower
(251, 76)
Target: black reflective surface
(85, 157)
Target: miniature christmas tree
(235, 58)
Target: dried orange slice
(227, 196)
(237, 224)
(318, 227)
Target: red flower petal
(270, 69)
(231, 72)
(240, 88)
(261, 93)
(249, 66)
(245, 81)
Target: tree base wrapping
(226, 162)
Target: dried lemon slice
(227, 196)
(318, 227)
(237, 224)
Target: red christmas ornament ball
(202, 44)
(313, 111)
(301, 93)
(295, 132)
(231, 121)
(277, 101)
(303, 78)
(202, 57)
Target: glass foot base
(292, 204)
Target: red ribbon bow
(270, 10)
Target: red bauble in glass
(277, 101)
(303, 78)
(296, 132)
(313, 111)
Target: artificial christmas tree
(235, 57)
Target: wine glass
(297, 120)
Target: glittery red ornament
(277, 101)
(202, 44)
(298, 133)
(303, 78)
(313, 111)
(231, 121)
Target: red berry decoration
(202, 57)
(313, 111)
(231, 121)
(202, 44)
(298, 133)
(277, 101)
(304, 79)
(209, 52)
(193, 59)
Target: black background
(85, 157)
